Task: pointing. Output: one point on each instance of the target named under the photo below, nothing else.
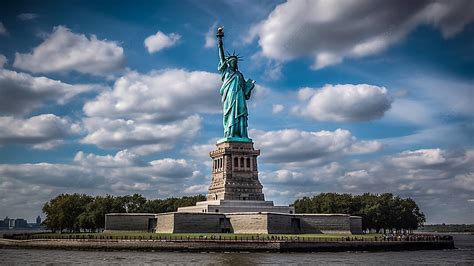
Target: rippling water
(464, 254)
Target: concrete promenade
(228, 245)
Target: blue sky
(120, 98)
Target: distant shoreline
(443, 233)
(225, 246)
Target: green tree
(133, 203)
(93, 218)
(378, 211)
(63, 211)
(171, 204)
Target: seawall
(225, 245)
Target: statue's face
(233, 64)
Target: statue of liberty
(235, 90)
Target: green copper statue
(235, 90)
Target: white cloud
(411, 111)
(419, 158)
(3, 60)
(418, 172)
(330, 31)
(432, 177)
(26, 187)
(273, 69)
(130, 164)
(149, 113)
(465, 181)
(173, 168)
(201, 151)
(43, 131)
(452, 96)
(343, 103)
(277, 108)
(160, 41)
(27, 16)
(210, 39)
(108, 172)
(3, 30)
(21, 93)
(139, 137)
(64, 51)
(56, 175)
(286, 176)
(292, 145)
(159, 96)
(196, 189)
(123, 158)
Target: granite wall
(180, 222)
(249, 223)
(129, 221)
(356, 224)
(239, 223)
(324, 223)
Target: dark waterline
(464, 254)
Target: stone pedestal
(235, 172)
(235, 186)
(234, 206)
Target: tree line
(80, 212)
(378, 211)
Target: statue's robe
(234, 91)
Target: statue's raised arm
(220, 44)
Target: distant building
(6, 222)
(20, 223)
(38, 221)
(11, 223)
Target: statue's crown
(233, 56)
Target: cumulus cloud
(432, 177)
(419, 173)
(64, 50)
(453, 102)
(57, 175)
(129, 165)
(149, 113)
(277, 108)
(21, 93)
(465, 181)
(201, 151)
(30, 185)
(420, 158)
(3, 60)
(158, 96)
(85, 175)
(330, 31)
(160, 41)
(210, 39)
(173, 168)
(292, 145)
(27, 16)
(123, 158)
(3, 30)
(43, 131)
(284, 176)
(140, 137)
(196, 189)
(343, 103)
(411, 111)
